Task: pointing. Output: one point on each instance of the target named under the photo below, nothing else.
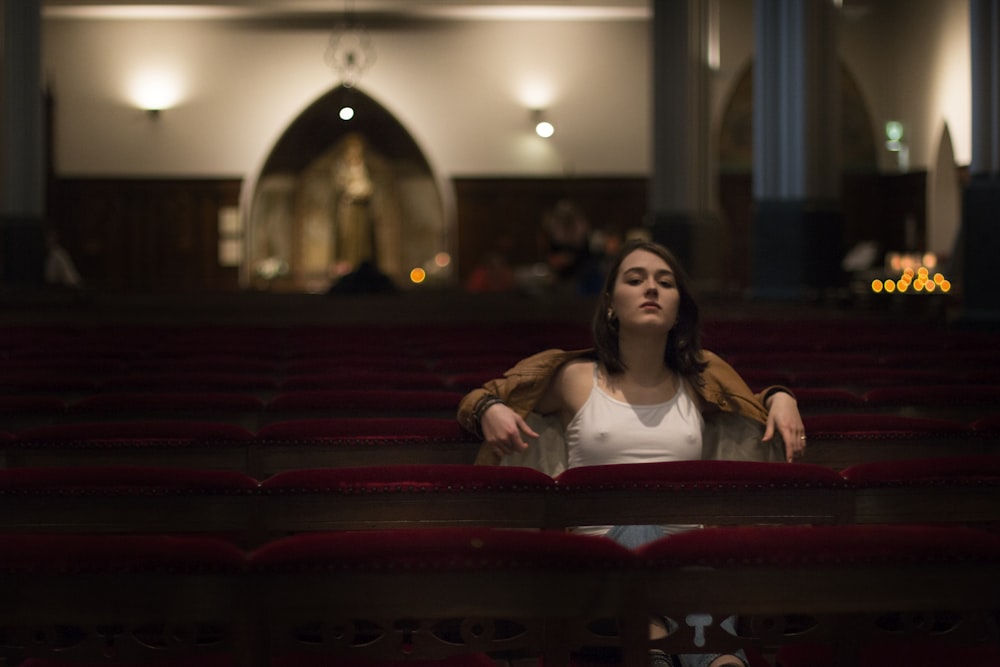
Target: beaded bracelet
(484, 404)
(775, 390)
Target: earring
(611, 314)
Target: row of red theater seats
(772, 345)
(835, 440)
(828, 334)
(72, 386)
(956, 402)
(144, 499)
(244, 408)
(427, 593)
(287, 344)
(69, 358)
(83, 360)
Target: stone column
(22, 163)
(797, 224)
(680, 185)
(980, 233)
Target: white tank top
(608, 431)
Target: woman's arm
(496, 411)
(503, 430)
(506, 432)
(782, 410)
(783, 416)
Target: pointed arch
(303, 235)
(857, 132)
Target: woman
(646, 393)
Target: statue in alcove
(348, 212)
(354, 233)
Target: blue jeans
(636, 536)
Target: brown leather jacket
(734, 415)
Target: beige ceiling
(476, 9)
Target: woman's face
(645, 292)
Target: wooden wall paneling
(144, 235)
(489, 208)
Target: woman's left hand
(783, 416)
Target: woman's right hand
(504, 430)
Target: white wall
(463, 89)
(912, 61)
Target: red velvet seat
(987, 427)
(860, 380)
(49, 382)
(242, 408)
(293, 660)
(311, 660)
(304, 404)
(710, 492)
(464, 382)
(819, 400)
(759, 378)
(199, 660)
(126, 598)
(959, 402)
(388, 496)
(798, 361)
(479, 363)
(193, 380)
(225, 363)
(842, 440)
(365, 379)
(128, 499)
(242, 340)
(854, 336)
(944, 489)
(189, 444)
(22, 411)
(437, 592)
(331, 443)
(823, 584)
(350, 362)
(76, 363)
(972, 357)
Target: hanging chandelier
(350, 51)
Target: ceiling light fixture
(351, 51)
(543, 127)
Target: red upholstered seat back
(110, 554)
(706, 474)
(978, 470)
(123, 480)
(345, 429)
(797, 546)
(132, 434)
(439, 549)
(441, 478)
(870, 425)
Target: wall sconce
(155, 91)
(543, 127)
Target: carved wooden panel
(144, 235)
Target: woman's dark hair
(683, 351)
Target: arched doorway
(336, 193)
(858, 161)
